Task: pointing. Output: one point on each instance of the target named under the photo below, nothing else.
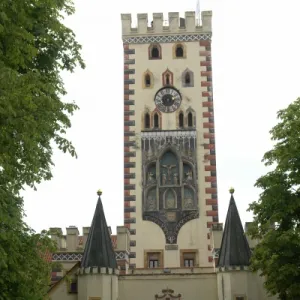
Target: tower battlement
(174, 24)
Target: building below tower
(95, 266)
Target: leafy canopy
(277, 212)
(35, 46)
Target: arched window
(154, 51)
(167, 79)
(156, 121)
(187, 78)
(190, 119)
(179, 51)
(181, 119)
(147, 120)
(147, 80)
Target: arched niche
(170, 199)
(188, 173)
(151, 199)
(169, 168)
(151, 173)
(188, 200)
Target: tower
(98, 269)
(170, 189)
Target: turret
(98, 271)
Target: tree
(277, 212)
(35, 46)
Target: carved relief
(170, 199)
(168, 294)
(188, 199)
(169, 180)
(151, 202)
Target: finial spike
(99, 192)
(231, 190)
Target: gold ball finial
(99, 192)
(231, 190)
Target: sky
(256, 63)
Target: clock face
(167, 99)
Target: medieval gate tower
(170, 188)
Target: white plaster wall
(191, 287)
(193, 235)
(97, 285)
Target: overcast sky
(256, 63)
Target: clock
(167, 99)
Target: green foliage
(35, 46)
(277, 212)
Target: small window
(168, 79)
(155, 52)
(153, 260)
(179, 51)
(189, 259)
(187, 78)
(181, 120)
(189, 262)
(147, 80)
(153, 263)
(190, 119)
(147, 121)
(73, 287)
(240, 298)
(156, 121)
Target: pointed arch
(179, 50)
(190, 118)
(167, 78)
(147, 121)
(170, 199)
(147, 80)
(187, 78)
(156, 119)
(180, 119)
(154, 51)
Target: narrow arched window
(154, 52)
(147, 121)
(156, 121)
(187, 78)
(168, 79)
(179, 51)
(181, 120)
(147, 80)
(190, 119)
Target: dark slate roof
(234, 249)
(98, 250)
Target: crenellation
(142, 23)
(158, 21)
(190, 21)
(174, 24)
(173, 21)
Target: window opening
(147, 80)
(179, 51)
(153, 263)
(190, 119)
(156, 122)
(181, 120)
(147, 121)
(155, 52)
(189, 262)
(187, 78)
(168, 79)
